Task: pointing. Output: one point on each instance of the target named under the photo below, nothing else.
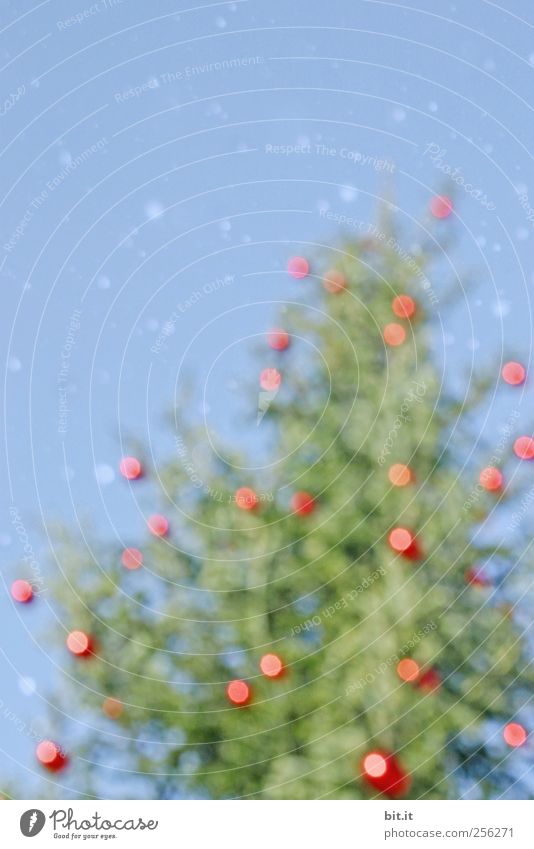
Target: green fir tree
(311, 576)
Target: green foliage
(324, 591)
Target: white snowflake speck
(27, 685)
(347, 193)
(104, 474)
(154, 209)
(500, 308)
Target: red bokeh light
(491, 479)
(524, 447)
(430, 680)
(278, 339)
(271, 665)
(441, 206)
(130, 468)
(132, 558)
(270, 379)
(476, 577)
(513, 373)
(403, 306)
(375, 765)
(404, 542)
(383, 772)
(394, 334)
(298, 267)
(238, 692)
(246, 498)
(22, 591)
(302, 503)
(79, 643)
(514, 734)
(158, 525)
(50, 756)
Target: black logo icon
(32, 822)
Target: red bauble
(513, 373)
(51, 756)
(278, 339)
(394, 334)
(408, 669)
(441, 206)
(246, 498)
(404, 542)
(302, 503)
(238, 693)
(524, 448)
(270, 379)
(271, 666)
(130, 468)
(491, 479)
(429, 680)
(80, 644)
(382, 771)
(298, 267)
(403, 306)
(515, 735)
(132, 558)
(158, 525)
(22, 591)
(334, 282)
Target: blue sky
(167, 162)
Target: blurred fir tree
(340, 590)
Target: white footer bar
(269, 824)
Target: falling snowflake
(27, 685)
(500, 308)
(347, 193)
(154, 209)
(104, 474)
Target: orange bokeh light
(334, 282)
(246, 498)
(400, 475)
(408, 669)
